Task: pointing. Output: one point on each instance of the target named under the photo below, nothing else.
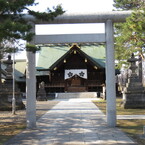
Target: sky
(71, 6)
(74, 6)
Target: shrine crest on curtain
(72, 72)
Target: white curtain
(72, 72)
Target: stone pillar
(31, 88)
(110, 75)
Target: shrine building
(74, 68)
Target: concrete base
(134, 94)
(76, 95)
(134, 100)
(6, 101)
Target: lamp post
(13, 98)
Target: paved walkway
(72, 122)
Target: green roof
(50, 55)
(97, 53)
(20, 68)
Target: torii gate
(104, 17)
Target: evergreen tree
(130, 36)
(13, 26)
(127, 4)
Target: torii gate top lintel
(98, 17)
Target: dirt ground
(11, 125)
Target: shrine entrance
(76, 81)
(76, 84)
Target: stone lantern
(6, 93)
(134, 92)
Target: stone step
(76, 95)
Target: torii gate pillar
(110, 75)
(31, 87)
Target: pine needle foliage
(13, 26)
(130, 36)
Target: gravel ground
(11, 125)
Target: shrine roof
(20, 68)
(50, 55)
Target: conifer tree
(130, 36)
(13, 26)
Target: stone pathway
(72, 122)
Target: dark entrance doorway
(76, 84)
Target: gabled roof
(49, 57)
